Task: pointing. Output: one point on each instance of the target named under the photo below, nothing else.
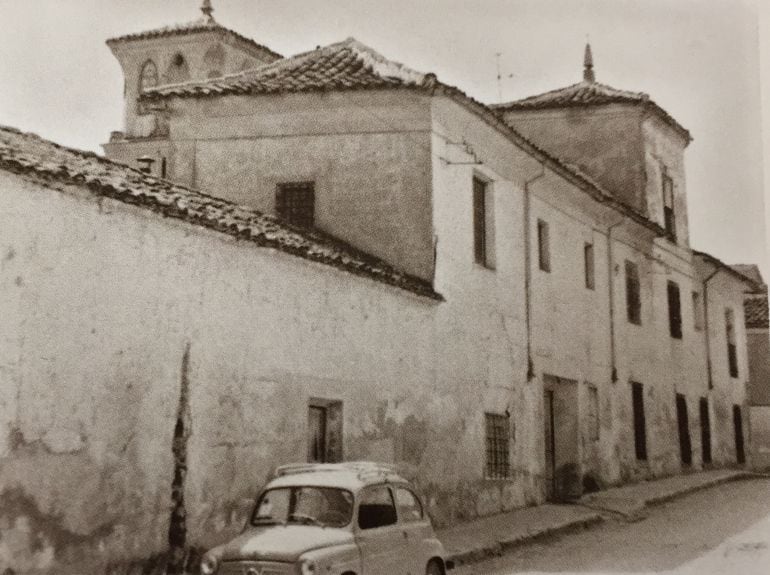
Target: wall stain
(177, 529)
(48, 530)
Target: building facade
(510, 317)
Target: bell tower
(191, 51)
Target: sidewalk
(492, 536)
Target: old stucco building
(502, 300)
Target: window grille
(295, 203)
(498, 432)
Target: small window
(148, 78)
(295, 203)
(633, 295)
(588, 260)
(697, 311)
(409, 506)
(669, 219)
(732, 352)
(324, 431)
(376, 508)
(543, 247)
(674, 311)
(593, 413)
(497, 433)
(640, 424)
(483, 223)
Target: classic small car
(356, 518)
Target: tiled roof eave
(432, 86)
(173, 201)
(201, 29)
(647, 105)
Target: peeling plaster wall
(99, 303)
(571, 324)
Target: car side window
(376, 508)
(409, 506)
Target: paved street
(724, 529)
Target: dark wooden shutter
(479, 221)
(674, 311)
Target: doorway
(561, 435)
(740, 453)
(683, 420)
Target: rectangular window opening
(633, 295)
(295, 203)
(674, 311)
(669, 218)
(483, 223)
(732, 352)
(498, 429)
(588, 258)
(640, 425)
(593, 413)
(324, 431)
(543, 247)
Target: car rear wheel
(434, 568)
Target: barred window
(295, 203)
(732, 352)
(543, 246)
(498, 432)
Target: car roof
(352, 476)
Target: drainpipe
(706, 327)
(528, 271)
(611, 295)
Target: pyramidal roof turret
(206, 23)
(587, 93)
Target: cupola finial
(588, 65)
(207, 9)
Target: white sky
(699, 59)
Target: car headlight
(208, 565)
(307, 567)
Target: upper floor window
(588, 260)
(148, 77)
(483, 223)
(669, 219)
(543, 247)
(674, 311)
(295, 203)
(732, 353)
(633, 294)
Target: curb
(502, 546)
(638, 511)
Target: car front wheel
(434, 568)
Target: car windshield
(322, 506)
